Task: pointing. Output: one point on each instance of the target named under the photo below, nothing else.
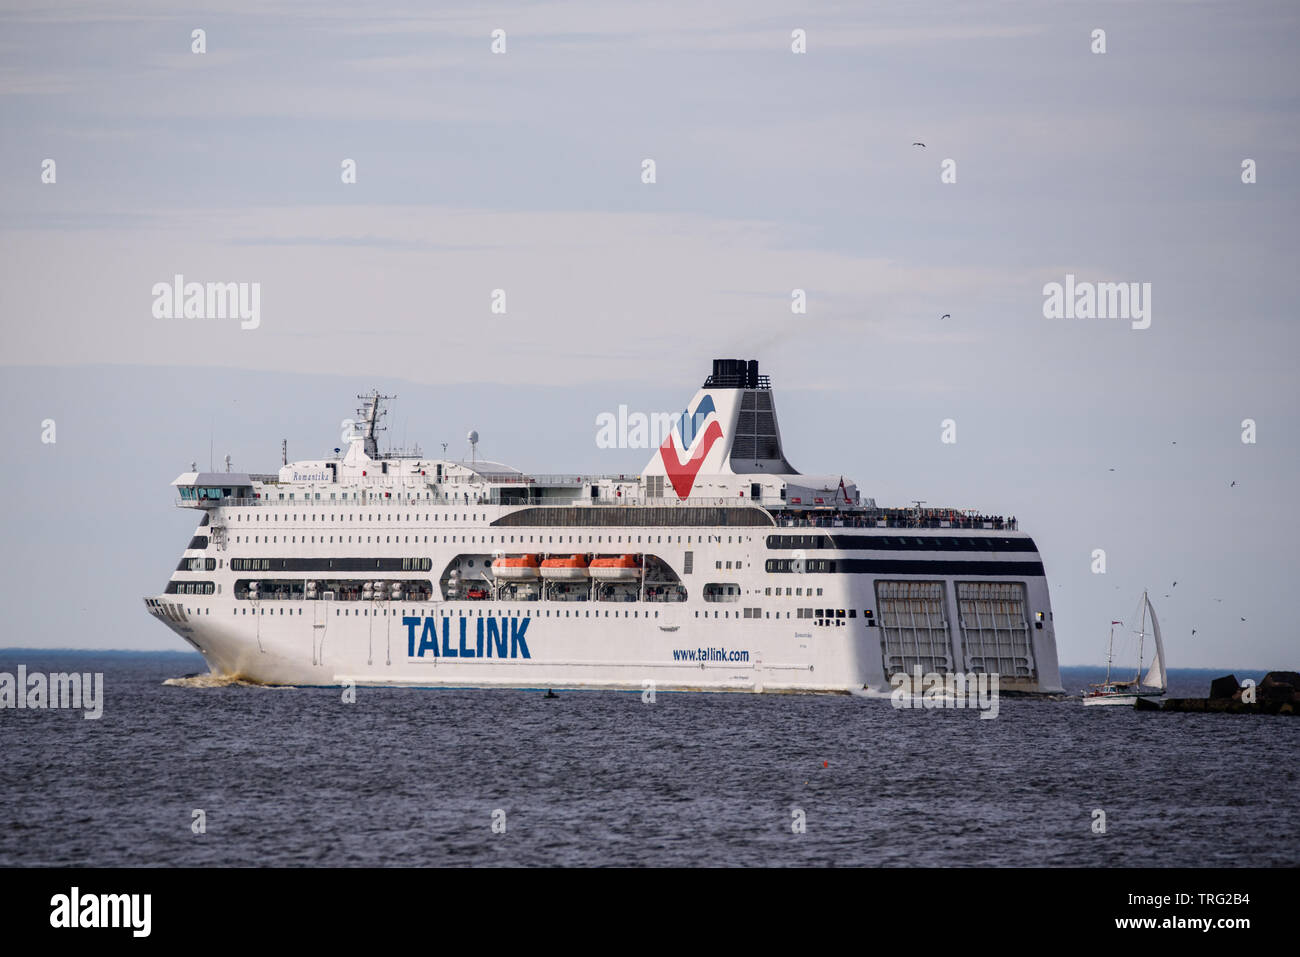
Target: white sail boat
(1115, 692)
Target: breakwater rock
(1278, 693)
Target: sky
(522, 171)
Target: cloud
(407, 291)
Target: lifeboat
(617, 568)
(565, 568)
(515, 568)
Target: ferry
(719, 568)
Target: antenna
(371, 413)
(284, 451)
(227, 461)
(473, 446)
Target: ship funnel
(729, 428)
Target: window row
(747, 613)
(204, 493)
(258, 516)
(830, 613)
(290, 589)
(933, 543)
(399, 612)
(463, 539)
(197, 565)
(799, 541)
(332, 564)
(191, 588)
(799, 566)
(561, 539)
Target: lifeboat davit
(566, 568)
(515, 568)
(618, 568)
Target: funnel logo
(697, 440)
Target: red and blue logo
(697, 440)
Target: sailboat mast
(1110, 651)
(1141, 636)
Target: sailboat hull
(1102, 700)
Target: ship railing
(902, 518)
(873, 521)
(554, 479)
(606, 501)
(214, 502)
(701, 500)
(372, 498)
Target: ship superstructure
(719, 567)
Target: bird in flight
(1174, 585)
(1243, 619)
(1218, 599)
(922, 145)
(946, 315)
(1110, 470)
(1234, 484)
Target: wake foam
(218, 681)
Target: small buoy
(825, 764)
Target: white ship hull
(776, 582)
(678, 645)
(376, 650)
(579, 654)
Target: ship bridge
(206, 489)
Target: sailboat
(1116, 692)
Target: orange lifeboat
(616, 568)
(566, 568)
(515, 568)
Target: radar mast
(371, 413)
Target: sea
(192, 771)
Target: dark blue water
(412, 777)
